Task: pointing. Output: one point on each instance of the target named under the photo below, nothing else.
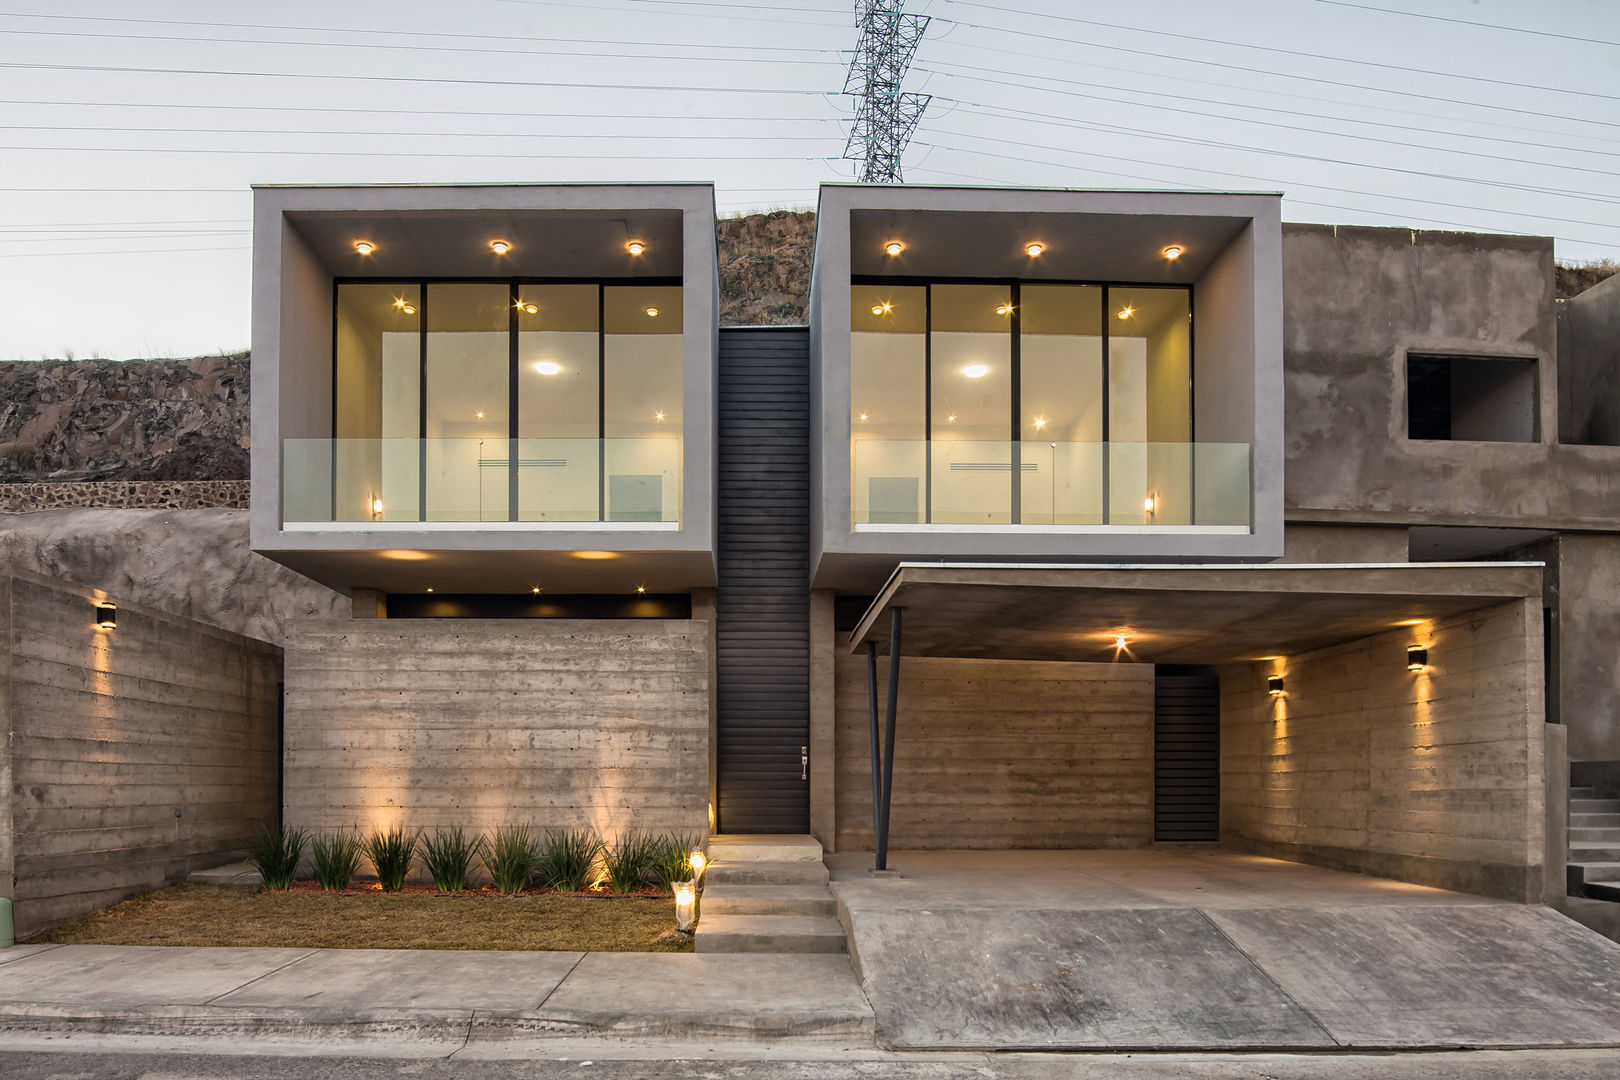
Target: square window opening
(1472, 398)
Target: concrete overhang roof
(1173, 614)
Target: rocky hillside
(141, 420)
(1572, 279)
(765, 268)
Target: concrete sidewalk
(451, 998)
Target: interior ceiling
(455, 243)
(1079, 247)
(1179, 620)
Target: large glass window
(970, 399)
(888, 373)
(463, 401)
(1150, 407)
(641, 412)
(1060, 404)
(1029, 403)
(559, 381)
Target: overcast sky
(129, 133)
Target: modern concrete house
(1071, 520)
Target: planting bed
(364, 917)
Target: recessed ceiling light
(364, 247)
(1173, 251)
(1127, 311)
(635, 247)
(863, 416)
(530, 309)
(1004, 309)
(480, 414)
(877, 309)
(1034, 250)
(658, 416)
(1039, 423)
(535, 589)
(975, 371)
(499, 247)
(652, 313)
(430, 588)
(893, 247)
(546, 367)
(408, 309)
(641, 588)
(951, 418)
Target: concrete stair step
(1594, 821)
(1582, 793)
(1603, 890)
(1586, 835)
(763, 847)
(1587, 853)
(809, 900)
(769, 934)
(1594, 806)
(794, 872)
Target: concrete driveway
(1197, 948)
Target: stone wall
(478, 723)
(136, 755)
(192, 563)
(26, 498)
(1001, 754)
(1430, 777)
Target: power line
(410, 112)
(405, 154)
(731, 9)
(1404, 69)
(1276, 74)
(1470, 22)
(885, 116)
(82, 254)
(411, 134)
(1183, 111)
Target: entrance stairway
(1594, 845)
(767, 894)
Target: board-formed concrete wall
(136, 755)
(554, 723)
(1001, 754)
(1430, 777)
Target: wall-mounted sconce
(376, 508)
(107, 616)
(1417, 657)
(1274, 685)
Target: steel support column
(882, 814)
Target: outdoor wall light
(685, 906)
(635, 247)
(975, 371)
(107, 616)
(1173, 252)
(364, 247)
(1417, 657)
(1034, 250)
(499, 247)
(893, 247)
(1150, 505)
(1274, 685)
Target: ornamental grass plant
(630, 863)
(448, 856)
(568, 859)
(337, 859)
(391, 852)
(275, 854)
(512, 856)
(672, 859)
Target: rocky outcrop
(26, 497)
(139, 420)
(765, 268)
(193, 563)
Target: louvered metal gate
(1186, 757)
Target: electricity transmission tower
(884, 117)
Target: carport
(1381, 816)
(1332, 748)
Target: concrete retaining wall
(473, 722)
(136, 755)
(1002, 753)
(1432, 777)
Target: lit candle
(685, 906)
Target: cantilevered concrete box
(1229, 259)
(305, 245)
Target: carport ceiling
(1174, 615)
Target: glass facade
(498, 401)
(1031, 404)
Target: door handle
(804, 763)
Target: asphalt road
(66, 1064)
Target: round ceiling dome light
(635, 247)
(652, 313)
(547, 367)
(1173, 252)
(499, 247)
(976, 371)
(893, 247)
(1034, 250)
(364, 247)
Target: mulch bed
(372, 888)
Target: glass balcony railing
(481, 480)
(966, 482)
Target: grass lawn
(196, 914)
